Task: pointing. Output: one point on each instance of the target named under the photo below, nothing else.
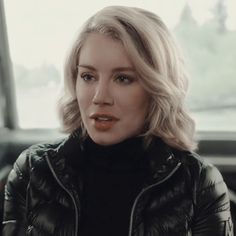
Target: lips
(103, 122)
(102, 116)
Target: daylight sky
(42, 31)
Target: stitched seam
(17, 169)
(223, 207)
(210, 187)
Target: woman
(128, 166)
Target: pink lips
(103, 121)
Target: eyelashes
(87, 77)
(118, 78)
(124, 79)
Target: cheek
(135, 103)
(84, 96)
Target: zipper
(145, 190)
(69, 193)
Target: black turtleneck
(113, 177)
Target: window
(210, 50)
(40, 33)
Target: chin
(106, 140)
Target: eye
(124, 79)
(87, 77)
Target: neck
(125, 155)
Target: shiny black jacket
(184, 196)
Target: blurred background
(40, 33)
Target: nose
(103, 94)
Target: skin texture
(112, 102)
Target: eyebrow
(122, 68)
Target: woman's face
(112, 102)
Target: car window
(40, 33)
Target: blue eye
(124, 79)
(87, 77)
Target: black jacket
(184, 196)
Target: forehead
(101, 49)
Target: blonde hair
(158, 63)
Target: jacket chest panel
(48, 204)
(44, 188)
(165, 210)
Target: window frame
(8, 100)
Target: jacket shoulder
(211, 192)
(206, 174)
(35, 154)
(211, 198)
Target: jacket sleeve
(212, 212)
(14, 214)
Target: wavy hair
(158, 63)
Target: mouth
(103, 122)
(103, 117)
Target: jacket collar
(162, 159)
(59, 159)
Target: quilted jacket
(184, 196)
